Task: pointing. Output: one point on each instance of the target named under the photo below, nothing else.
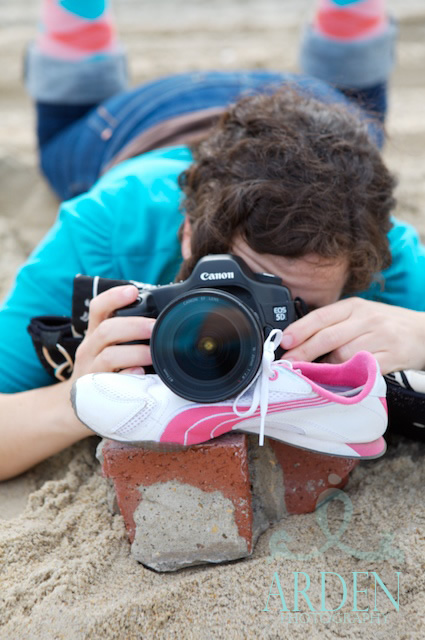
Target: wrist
(63, 413)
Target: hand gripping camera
(207, 342)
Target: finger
(122, 357)
(379, 349)
(338, 337)
(385, 362)
(117, 331)
(304, 328)
(134, 371)
(104, 305)
(383, 357)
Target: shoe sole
(364, 451)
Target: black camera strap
(301, 308)
(85, 289)
(55, 344)
(56, 338)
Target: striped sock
(76, 29)
(349, 20)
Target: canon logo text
(225, 275)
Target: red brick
(221, 464)
(307, 475)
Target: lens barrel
(206, 345)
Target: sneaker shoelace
(260, 397)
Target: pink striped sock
(73, 30)
(350, 20)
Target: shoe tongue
(296, 384)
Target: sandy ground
(65, 567)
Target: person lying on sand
(282, 170)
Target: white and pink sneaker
(338, 410)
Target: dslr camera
(207, 342)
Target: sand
(65, 564)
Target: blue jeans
(79, 137)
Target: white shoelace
(261, 381)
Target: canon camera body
(207, 341)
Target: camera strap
(300, 306)
(56, 338)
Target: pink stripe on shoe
(201, 423)
(369, 449)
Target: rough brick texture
(210, 502)
(309, 477)
(202, 501)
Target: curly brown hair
(292, 176)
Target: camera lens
(206, 345)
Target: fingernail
(136, 371)
(287, 341)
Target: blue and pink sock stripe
(351, 19)
(75, 29)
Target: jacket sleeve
(125, 227)
(79, 240)
(403, 283)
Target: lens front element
(206, 345)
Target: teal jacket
(126, 227)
